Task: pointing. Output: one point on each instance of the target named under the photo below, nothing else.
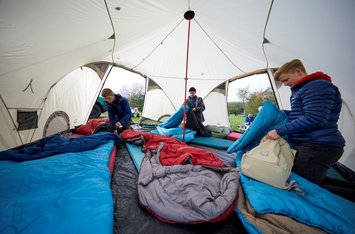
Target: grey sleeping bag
(186, 193)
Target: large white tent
(54, 55)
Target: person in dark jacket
(312, 121)
(249, 119)
(119, 111)
(196, 104)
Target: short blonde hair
(107, 92)
(289, 67)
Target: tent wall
(156, 102)
(72, 95)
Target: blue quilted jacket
(315, 110)
(119, 111)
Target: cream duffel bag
(270, 162)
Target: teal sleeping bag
(64, 193)
(267, 119)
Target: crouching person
(119, 111)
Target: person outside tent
(312, 121)
(196, 104)
(249, 119)
(119, 111)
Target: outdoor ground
(235, 120)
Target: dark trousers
(313, 160)
(126, 126)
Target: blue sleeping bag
(177, 133)
(317, 207)
(58, 144)
(175, 120)
(267, 119)
(65, 193)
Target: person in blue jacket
(249, 119)
(312, 121)
(119, 111)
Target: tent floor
(129, 217)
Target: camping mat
(136, 154)
(213, 142)
(233, 136)
(129, 217)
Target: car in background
(98, 108)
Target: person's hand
(118, 125)
(194, 109)
(273, 135)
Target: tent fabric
(58, 144)
(228, 40)
(65, 193)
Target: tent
(56, 56)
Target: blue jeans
(313, 160)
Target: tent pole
(188, 16)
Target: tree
(268, 94)
(243, 94)
(235, 108)
(255, 101)
(135, 95)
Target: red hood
(314, 76)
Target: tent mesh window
(56, 122)
(27, 120)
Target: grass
(236, 120)
(134, 119)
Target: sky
(120, 78)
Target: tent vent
(266, 41)
(27, 120)
(56, 122)
(112, 36)
(189, 15)
(152, 85)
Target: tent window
(56, 122)
(27, 120)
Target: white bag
(270, 162)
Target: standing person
(312, 121)
(119, 111)
(196, 104)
